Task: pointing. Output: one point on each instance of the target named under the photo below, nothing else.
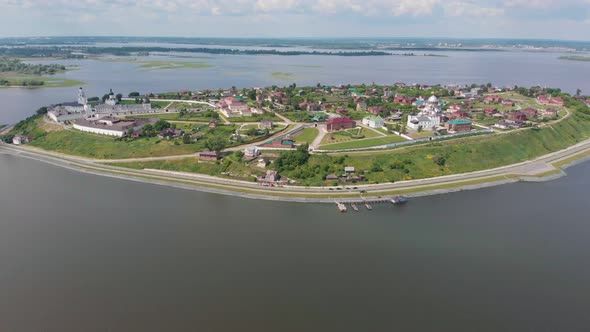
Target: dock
(395, 200)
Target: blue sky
(548, 19)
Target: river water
(500, 68)
(80, 252)
(87, 253)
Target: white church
(428, 118)
(83, 110)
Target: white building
(83, 110)
(21, 139)
(374, 121)
(252, 152)
(428, 118)
(110, 126)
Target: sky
(544, 19)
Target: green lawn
(307, 135)
(300, 116)
(422, 134)
(363, 143)
(347, 135)
(255, 118)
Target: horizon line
(294, 38)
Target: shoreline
(554, 167)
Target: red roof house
(340, 123)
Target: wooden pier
(369, 202)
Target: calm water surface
(87, 253)
(501, 68)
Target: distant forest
(77, 52)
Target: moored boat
(368, 206)
(341, 207)
(397, 200)
(354, 207)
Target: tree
(105, 97)
(252, 94)
(290, 160)
(420, 129)
(578, 92)
(215, 143)
(186, 139)
(133, 94)
(129, 131)
(148, 130)
(161, 125)
(119, 97)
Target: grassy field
(194, 117)
(102, 147)
(16, 80)
(307, 135)
(363, 143)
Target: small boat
(341, 207)
(397, 200)
(354, 207)
(368, 206)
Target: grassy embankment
(73, 142)
(364, 143)
(437, 158)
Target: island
(16, 73)
(315, 143)
(575, 58)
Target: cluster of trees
(17, 66)
(22, 83)
(150, 130)
(290, 160)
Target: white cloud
(469, 9)
(414, 7)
